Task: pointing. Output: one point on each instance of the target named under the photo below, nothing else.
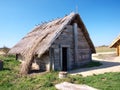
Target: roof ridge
(115, 41)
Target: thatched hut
(62, 44)
(116, 44)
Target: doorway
(64, 58)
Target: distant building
(62, 44)
(116, 44)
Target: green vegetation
(10, 79)
(104, 49)
(107, 81)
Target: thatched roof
(115, 42)
(42, 36)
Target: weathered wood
(76, 41)
(116, 44)
(50, 54)
(57, 32)
(119, 50)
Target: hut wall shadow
(105, 64)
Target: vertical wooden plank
(50, 54)
(53, 58)
(119, 50)
(61, 57)
(60, 52)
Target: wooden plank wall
(118, 50)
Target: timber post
(75, 42)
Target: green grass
(10, 79)
(104, 49)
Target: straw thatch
(38, 41)
(115, 42)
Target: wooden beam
(75, 42)
(50, 55)
(119, 50)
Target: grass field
(10, 79)
(104, 49)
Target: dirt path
(108, 66)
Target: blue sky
(18, 17)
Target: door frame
(68, 54)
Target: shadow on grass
(36, 71)
(105, 64)
(4, 69)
